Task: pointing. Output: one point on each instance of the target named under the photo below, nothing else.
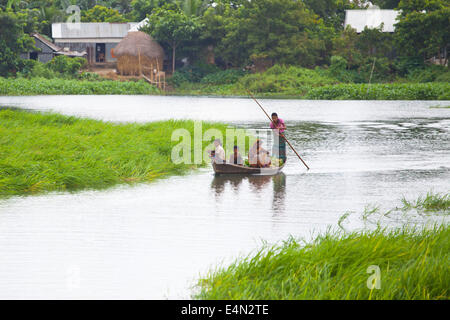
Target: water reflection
(257, 184)
(279, 192)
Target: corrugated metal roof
(51, 45)
(139, 25)
(90, 30)
(371, 18)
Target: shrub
(223, 77)
(429, 74)
(66, 65)
(192, 73)
(285, 80)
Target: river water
(155, 240)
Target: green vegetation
(392, 91)
(41, 86)
(298, 82)
(413, 265)
(432, 202)
(50, 152)
(275, 48)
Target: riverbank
(412, 265)
(342, 91)
(42, 152)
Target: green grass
(42, 86)
(50, 152)
(413, 265)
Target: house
(371, 18)
(47, 50)
(96, 38)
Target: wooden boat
(228, 168)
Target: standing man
(279, 146)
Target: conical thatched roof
(137, 41)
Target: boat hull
(228, 168)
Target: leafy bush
(66, 65)
(429, 74)
(192, 73)
(178, 78)
(285, 80)
(223, 77)
(90, 76)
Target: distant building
(47, 50)
(371, 18)
(97, 39)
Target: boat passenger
(258, 157)
(219, 154)
(279, 145)
(236, 158)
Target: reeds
(50, 152)
(413, 264)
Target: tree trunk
(173, 57)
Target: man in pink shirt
(279, 147)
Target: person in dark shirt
(236, 158)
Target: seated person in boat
(279, 145)
(258, 157)
(218, 155)
(236, 158)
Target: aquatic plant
(391, 91)
(42, 86)
(412, 264)
(51, 152)
(432, 202)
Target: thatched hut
(138, 53)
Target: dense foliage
(243, 37)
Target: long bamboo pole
(282, 135)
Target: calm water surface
(153, 240)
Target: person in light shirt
(219, 154)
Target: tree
(13, 41)
(143, 8)
(274, 30)
(173, 27)
(409, 6)
(386, 4)
(346, 46)
(424, 33)
(101, 14)
(333, 11)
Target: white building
(97, 39)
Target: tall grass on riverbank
(42, 86)
(413, 264)
(47, 152)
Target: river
(154, 240)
